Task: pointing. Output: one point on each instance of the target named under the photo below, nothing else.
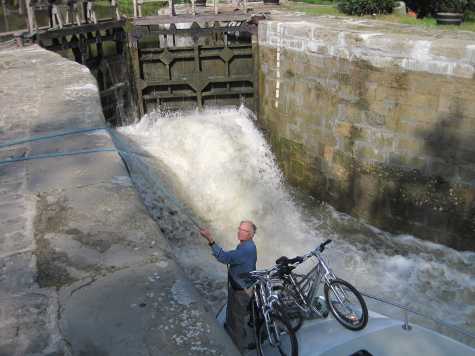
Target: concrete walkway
(84, 270)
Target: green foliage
(316, 2)
(430, 7)
(451, 5)
(366, 7)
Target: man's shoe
(251, 346)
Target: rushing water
(218, 165)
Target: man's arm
(226, 257)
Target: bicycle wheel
(281, 341)
(346, 304)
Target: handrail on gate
(79, 12)
(407, 310)
(138, 4)
(65, 12)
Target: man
(242, 259)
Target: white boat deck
(382, 336)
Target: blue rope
(57, 154)
(46, 137)
(122, 153)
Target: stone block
(439, 167)
(409, 127)
(328, 152)
(369, 153)
(343, 159)
(465, 154)
(344, 129)
(301, 30)
(410, 144)
(407, 161)
(372, 118)
(341, 173)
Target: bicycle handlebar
(300, 259)
(283, 261)
(322, 246)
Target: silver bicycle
(273, 333)
(300, 291)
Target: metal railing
(138, 4)
(78, 12)
(408, 310)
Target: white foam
(226, 170)
(85, 87)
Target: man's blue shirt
(242, 259)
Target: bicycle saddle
(284, 260)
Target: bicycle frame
(307, 285)
(266, 299)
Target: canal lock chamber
(350, 113)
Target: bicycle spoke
(349, 308)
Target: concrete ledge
(83, 267)
(382, 44)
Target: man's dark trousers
(237, 317)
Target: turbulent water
(218, 165)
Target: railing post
(139, 5)
(406, 325)
(116, 9)
(135, 8)
(18, 40)
(215, 2)
(30, 14)
(5, 15)
(193, 8)
(171, 5)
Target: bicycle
(272, 329)
(300, 290)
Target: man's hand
(206, 234)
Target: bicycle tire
(348, 323)
(283, 328)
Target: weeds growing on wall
(366, 7)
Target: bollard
(399, 8)
(18, 39)
(406, 325)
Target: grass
(325, 7)
(318, 2)
(15, 22)
(311, 9)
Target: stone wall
(377, 119)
